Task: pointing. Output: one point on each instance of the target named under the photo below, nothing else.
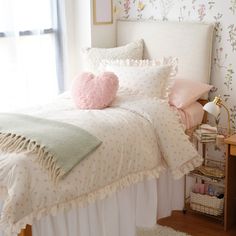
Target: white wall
(83, 31)
(87, 34)
(103, 35)
(80, 32)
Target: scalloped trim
(175, 110)
(81, 201)
(191, 164)
(195, 160)
(187, 167)
(169, 84)
(165, 61)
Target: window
(29, 53)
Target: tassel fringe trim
(194, 162)
(19, 144)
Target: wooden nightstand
(230, 191)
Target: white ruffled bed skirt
(138, 205)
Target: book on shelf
(206, 133)
(208, 128)
(205, 138)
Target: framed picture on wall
(102, 12)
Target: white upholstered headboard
(191, 43)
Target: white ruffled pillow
(147, 77)
(94, 56)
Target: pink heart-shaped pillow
(94, 92)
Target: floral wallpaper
(223, 13)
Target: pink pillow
(94, 92)
(186, 91)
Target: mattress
(192, 115)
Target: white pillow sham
(94, 56)
(148, 77)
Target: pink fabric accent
(94, 92)
(192, 115)
(185, 92)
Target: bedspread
(141, 137)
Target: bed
(144, 199)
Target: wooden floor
(195, 225)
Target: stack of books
(206, 133)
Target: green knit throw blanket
(58, 146)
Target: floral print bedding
(141, 137)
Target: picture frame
(102, 12)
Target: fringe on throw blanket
(16, 143)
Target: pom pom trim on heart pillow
(94, 92)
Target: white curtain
(67, 10)
(28, 53)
